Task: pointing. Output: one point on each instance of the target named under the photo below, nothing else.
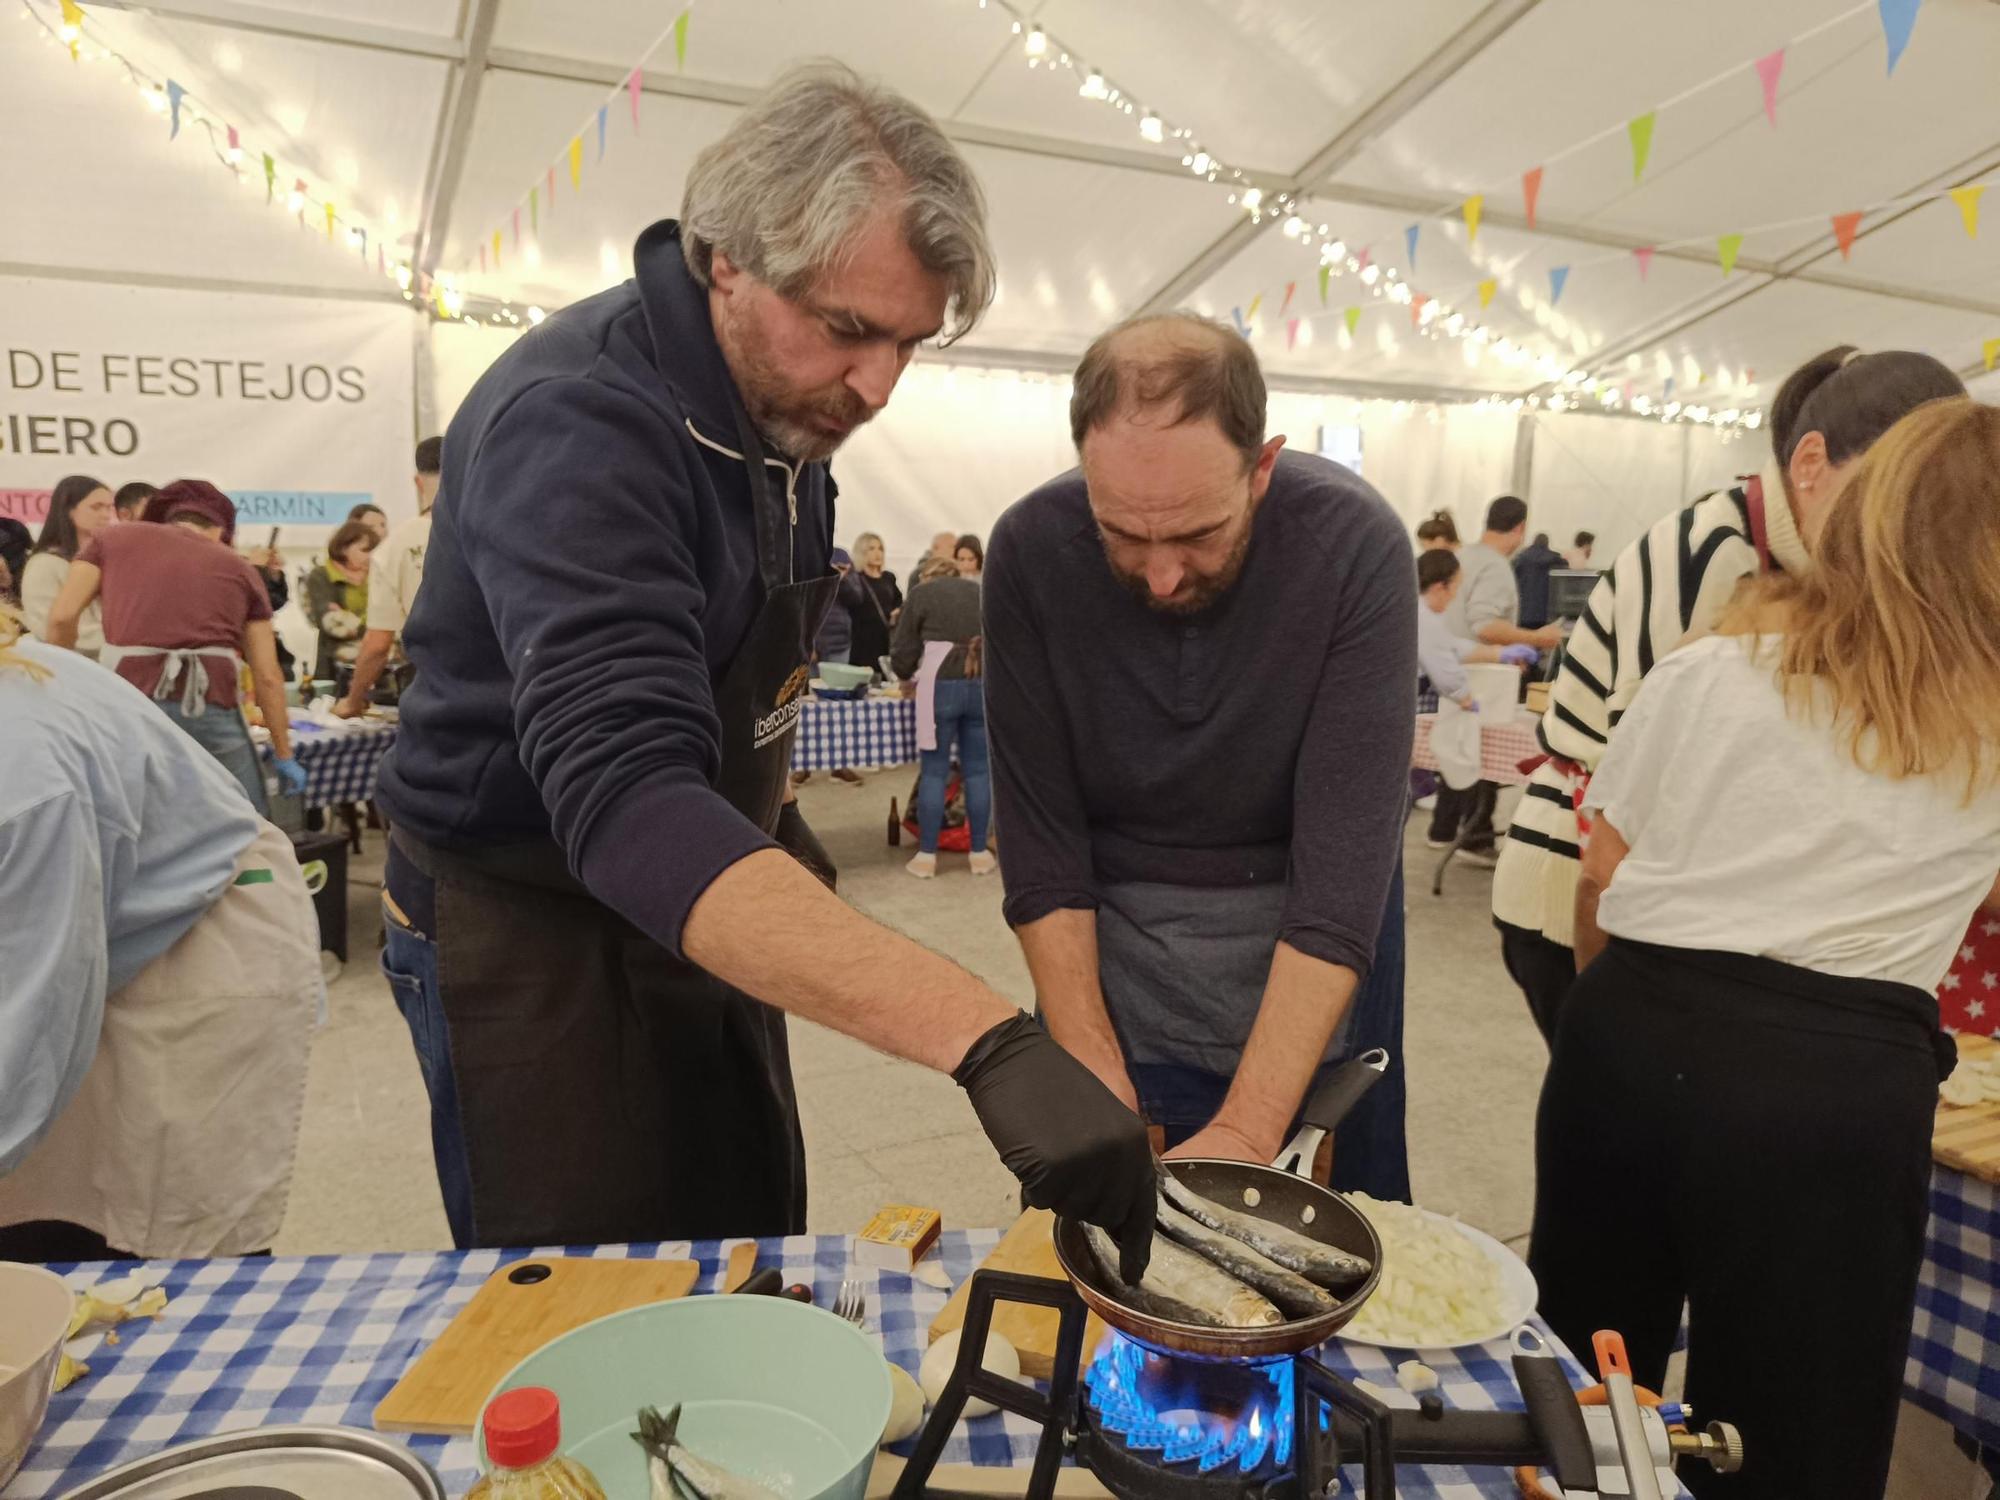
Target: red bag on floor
(955, 837)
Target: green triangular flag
(681, 40)
(1726, 247)
(1325, 275)
(535, 209)
(270, 177)
(1640, 128)
(1353, 318)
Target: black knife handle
(1558, 1421)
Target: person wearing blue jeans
(961, 716)
(937, 636)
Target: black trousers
(1543, 969)
(1754, 1138)
(1470, 810)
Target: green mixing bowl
(774, 1390)
(837, 674)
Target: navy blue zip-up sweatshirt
(592, 570)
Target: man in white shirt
(394, 572)
(161, 963)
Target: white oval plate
(1518, 1293)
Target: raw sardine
(1181, 1286)
(1291, 1291)
(1337, 1270)
(680, 1475)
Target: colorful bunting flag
(1644, 255)
(175, 93)
(1668, 390)
(1361, 260)
(1640, 129)
(552, 187)
(1290, 288)
(1558, 279)
(299, 187)
(1967, 199)
(362, 241)
(1291, 332)
(1726, 247)
(1899, 19)
(1236, 317)
(1844, 226)
(1991, 349)
(517, 226)
(381, 260)
(1255, 303)
(270, 178)
(329, 218)
(576, 161)
(681, 40)
(496, 249)
(633, 83)
(1410, 244)
(1486, 290)
(535, 209)
(1353, 317)
(1769, 66)
(1325, 275)
(1531, 192)
(235, 145)
(1417, 309)
(72, 18)
(1471, 208)
(602, 111)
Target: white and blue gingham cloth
(321, 1339)
(340, 762)
(1954, 1367)
(855, 734)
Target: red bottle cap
(523, 1428)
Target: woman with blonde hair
(869, 594)
(1797, 818)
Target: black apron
(607, 1091)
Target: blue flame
(1131, 1386)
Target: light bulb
(1292, 226)
(1151, 128)
(70, 31)
(235, 155)
(1037, 43)
(295, 200)
(535, 315)
(1253, 199)
(1094, 87)
(156, 99)
(354, 235)
(403, 276)
(1370, 274)
(1337, 250)
(1202, 162)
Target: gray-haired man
(594, 866)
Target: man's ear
(724, 275)
(1260, 472)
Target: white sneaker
(983, 863)
(924, 866)
(1426, 803)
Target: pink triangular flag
(1364, 256)
(1291, 332)
(632, 84)
(1644, 255)
(1531, 192)
(1769, 66)
(1844, 226)
(552, 185)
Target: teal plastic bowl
(774, 1390)
(841, 675)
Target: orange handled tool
(1615, 1370)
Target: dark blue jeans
(223, 734)
(961, 715)
(409, 962)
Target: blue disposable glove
(1468, 703)
(291, 777)
(1520, 656)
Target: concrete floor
(880, 1131)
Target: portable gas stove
(1155, 1425)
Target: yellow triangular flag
(1472, 208)
(576, 161)
(1726, 247)
(1353, 316)
(681, 40)
(1991, 348)
(437, 296)
(329, 219)
(496, 249)
(1486, 291)
(1255, 303)
(1967, 199)
(72, 19)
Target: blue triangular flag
(1558, 279)
(1236, 317)
(600, 130)
(1410, 244)
(1899, 18)
(1668, 392)
(364, 240)
(174, 93)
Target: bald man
(1201, 671)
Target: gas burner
(1232, 1417)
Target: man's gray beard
(1204, 596)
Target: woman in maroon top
(182, 612)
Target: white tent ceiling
(439, 114)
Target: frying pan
(1282, 1197)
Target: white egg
(932, 1374)
(906, 1406)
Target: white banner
(299, 409)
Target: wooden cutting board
(509, 1318)
(1967, 1137)
(1028, 1248)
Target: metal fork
(852, 1303)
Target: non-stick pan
(1281, 1196)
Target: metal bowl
(1282, 1198)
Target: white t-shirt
(1752, 831)
(394, 571)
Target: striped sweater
(1673, 581)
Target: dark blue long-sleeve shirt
(592, 571)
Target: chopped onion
(1438, 1288)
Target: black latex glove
(1074, 1146)
(797, 839)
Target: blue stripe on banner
(297, 507)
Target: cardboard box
(898, 1237)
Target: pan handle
(1329, 1105)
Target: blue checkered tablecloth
(1954, 1366)
(321, 1339)
(340, 760)
(855, 734)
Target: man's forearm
(1589, 938)
(1061, 949)
(268, 687)
(61, 631)
(1505, 633)
(368, 664)
(1304, 999)
(835, 966)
